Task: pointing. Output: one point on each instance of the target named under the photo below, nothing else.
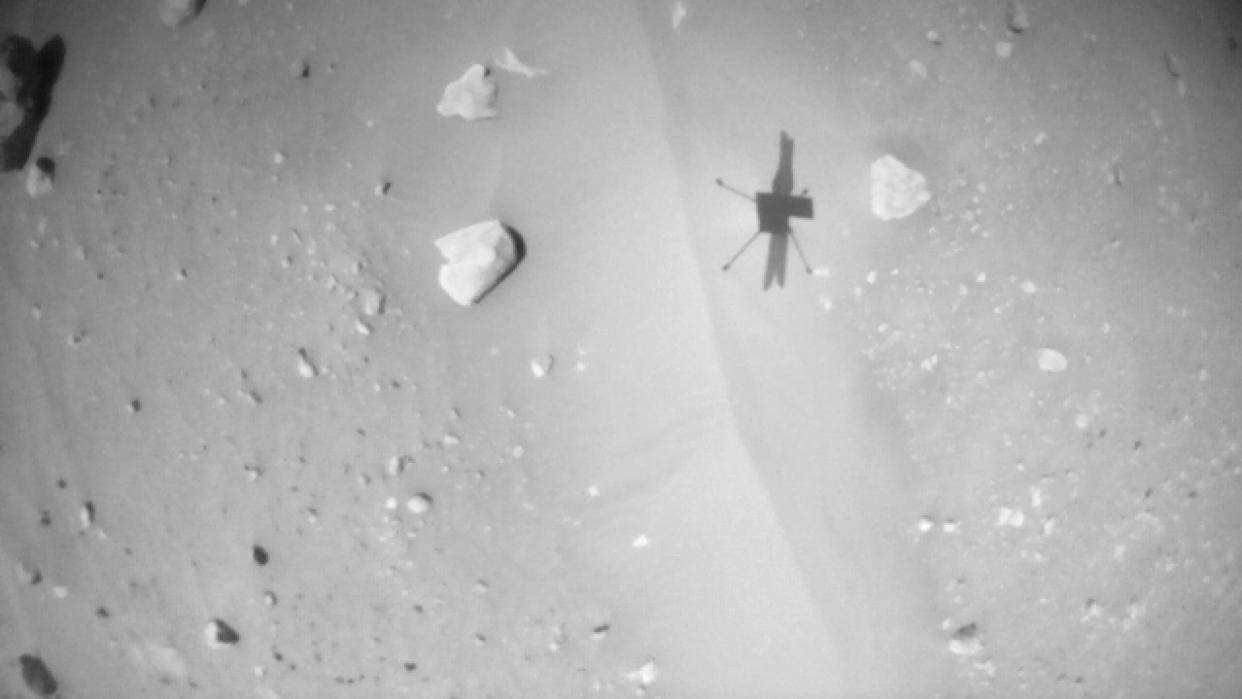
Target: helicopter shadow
(774, 210)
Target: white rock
(419, 504)
(540, 366)
(1004, 49)
(476, 258)
(39, 177)
(175, 13)
(644, 676)
(896, 189)
(1052, 361)
(472, 96)
(507, 61)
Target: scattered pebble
(306, 368)
(260, 555)
(1016, 17)
(1173, 64)
(599, 632)
(218, 634)
(269, 598)
(39, 177)
(371, 302)
(926, 524)
(1053, 361)
(86, 515)
(965, 641)
(420, 504)
(60, 592)
(950, 526)
(300, 69)
(37, 676)
(383, 188)
(933, 37)
(541, 366)
(397, 465)
(1027, 286)
(30, 576)
(641, 541)
(1010, 517)
(1004, 49)
(644, 676)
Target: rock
(1004, 49)
(39, 177)
(1016, 18)
(176, 13)
(219, 634)
(1173, 64)
(541, 366)
(507, 61)
(472, 96)
(1052, 361)
(37, 676)
(419, 504)
(896, 189)
(965, 641)
(476, 259)
(644, 676)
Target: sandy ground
(858, 484)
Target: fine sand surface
(231, 389)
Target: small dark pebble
(37, 677)
(103, 613)
(410, 667)
(260, 555)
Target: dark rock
(37, 677)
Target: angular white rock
(1052, 361)
(896, 189)
(472, 96)
(476, 258)
(508, 61)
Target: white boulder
(897, 190)
(476, 258)
(472, 96)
